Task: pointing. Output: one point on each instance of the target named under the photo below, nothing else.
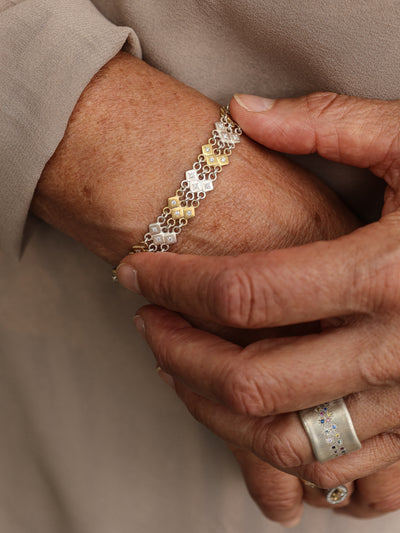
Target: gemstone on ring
(337, 495)
(330, 430)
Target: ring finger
(281, 440)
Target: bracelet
(198, 181)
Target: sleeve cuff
(49, 51)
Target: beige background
(91, 440)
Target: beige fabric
(91, 440)
(49, 50)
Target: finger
(376, 453)
(347, 129)
(277, 494)
(316, 497)
(376, 494)
(280, 442)
(311, 282)
(271, 376)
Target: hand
(249, 395)
(133, 131)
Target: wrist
(131, 137)
(131, 134)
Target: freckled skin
(128, 142)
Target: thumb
(355, 131)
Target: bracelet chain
(198, 182)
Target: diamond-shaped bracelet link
(195, 186)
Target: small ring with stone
(333, 496)
(336, 495)
(330, 430)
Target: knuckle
(277, 449)
(389, 164)
(395, 436)
(376, 278)
(389, 444)
(194, 410)
(384, 369)
(168, 349)
(243, 393)
(275, 501)
(386, 270)
(235, 299)
(372, 370)
(321, 105)
(318, 103)
(161, 288)
(193, 404)
(329, 111)
(386, 290)
(387, 144)
(373, 280)
(387, 504)
(161, 354)
(324, 476)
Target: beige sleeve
(49, 51)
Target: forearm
(118, 160)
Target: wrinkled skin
(249, 395)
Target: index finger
(267, 289)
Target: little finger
(277, 494)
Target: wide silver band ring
(330, 430)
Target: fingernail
(139, 324)
(169, 380)
(251, 102)
(127, 276)
(292, 523)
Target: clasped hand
(250, 395)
